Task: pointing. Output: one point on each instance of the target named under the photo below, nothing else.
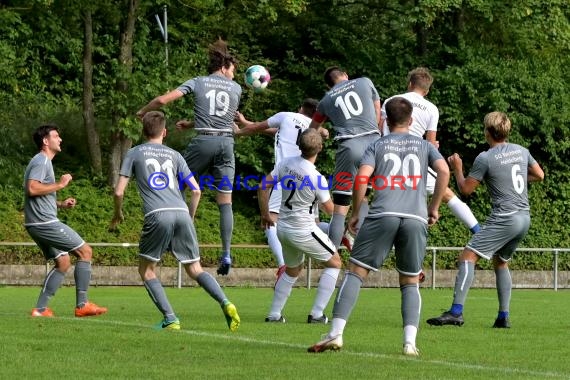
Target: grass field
(123, 345)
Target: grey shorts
(377, 236)
(55, 239)
(347, 160)
(211, 159)
(169, 230)
(500, 235)
(311, 242)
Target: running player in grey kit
(398, 216)
(216, 100)
(55, 239)
(353, 107)
(506, 169)
(167, 220)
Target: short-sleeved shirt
(289, 126)
(349, 105)
(39, 209)
(216, 100)
(400, 163)
(504, 168)
(425, 114)
(157, 169)
(302, 186)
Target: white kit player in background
(302, 187)
(287, 128)
(425, 119)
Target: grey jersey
(349, 105)
(400, 163)
(216, 100)
(504, 168)
(157, 169)
(39, 209)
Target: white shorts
(430, 183)
(298, 243)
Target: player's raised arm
(159, 101)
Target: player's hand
(236, 129)
(68, 203)
(455, 162)
(65, 179)
(184, 124)
(118, 218)
(324, 133)
(433, 217)
(352, 223)
(240, 118)
(266, 221)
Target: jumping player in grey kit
(167, 220)
(216, 100)
(353, 107)
(397, 165)
(55, 239)
(506, 168)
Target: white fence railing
(434, 250)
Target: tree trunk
(421, 36)
(93, 143)
(120, 142)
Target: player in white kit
(302, 187)
(425, 119)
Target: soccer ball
(257, 78)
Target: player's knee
(342, 199)
(85, 252)
(334, 262)
(193, 270)
(63, 263)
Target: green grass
(123, 345)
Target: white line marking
(233, 336)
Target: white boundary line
(233, 336)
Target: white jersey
(302, 188)
(289, 126)
(425, 114)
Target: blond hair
(498, 125)
(421, 78)
(310, 143)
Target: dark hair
(153, 124)
(331, 74)
(42, 132)
(219, 56)
(310, 142)
(309, 106)
(398, 111)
